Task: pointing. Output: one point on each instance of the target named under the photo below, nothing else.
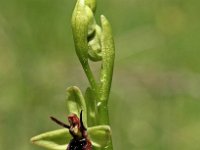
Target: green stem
(90, 77)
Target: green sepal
(76, 103)
(100, 135)
(54, 140)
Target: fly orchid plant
(92, 43)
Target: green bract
(92, 43)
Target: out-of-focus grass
(155, 100)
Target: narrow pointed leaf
(108, 54)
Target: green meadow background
(155, 97)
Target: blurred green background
(155, 99)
